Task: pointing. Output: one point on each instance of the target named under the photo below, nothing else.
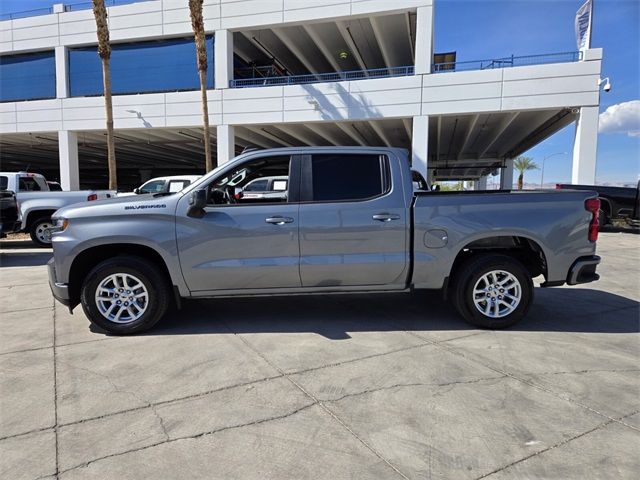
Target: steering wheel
(229, 196)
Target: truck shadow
(24, 259)
(334, 316)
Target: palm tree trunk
(111, 147)
(520, 180)
(205, 121)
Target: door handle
(386, 217)
(277, 220)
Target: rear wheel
(125, 295)
(492, 291)
(40, 232)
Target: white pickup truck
(37, 202)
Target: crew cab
(351, 222)
(37, 202)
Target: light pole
(544, 160)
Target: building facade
(281, 73)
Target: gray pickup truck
(350, 222)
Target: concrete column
(226, 143)
(481, 183)
(506, 175)
(420, 145)
(424, 39)
(62, 72)
(68, 151)
(223, 58)
(585, 146)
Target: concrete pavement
(386, 386)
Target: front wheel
(125, 295)
(40, 232)
(492, 291)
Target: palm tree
(104, 51)
(522, 164)
(195, 9)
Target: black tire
(153, 279)
(470, 273)
(603, 218)
(36, 231)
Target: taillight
(558, 186)
(593, 205)
(92, 197)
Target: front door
(242, 244)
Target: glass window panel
(346, 177)
(143, 67)
(27, 77)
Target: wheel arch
(87, 259)
(523, 248)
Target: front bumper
(583, 270)
(60, 291)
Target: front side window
(339, 177)
(28, 184)
(248, 183)
(155, 186)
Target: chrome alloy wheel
(43, 232)
(497, 293)
(122, 298)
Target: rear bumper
(583, 270)
(60, 291)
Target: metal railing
(72, 7)
(27, 13)
(322, 77)
(506, 62)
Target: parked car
(351, 222)
(9, 213)
(263, 188)
(170, 184)
(37, 202)
(616, 203)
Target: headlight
(59, 224)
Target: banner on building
(583, 25)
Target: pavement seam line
(55, 390)
(24, 310)
(416, 384)
(558, 444)
(200, 394)
(318, 402)
(561, 395)
(189, 437)
(58, 345)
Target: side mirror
(197, 202)
(136, 191)
(435, 188)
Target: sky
(482, 29)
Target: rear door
(353, 221)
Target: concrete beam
(424, 39)
(420, 145)
(226, 143)
(585, 147)
(223, 58)
(69, 167)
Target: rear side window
(28, 184)
(4, 183)
(347, 177)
